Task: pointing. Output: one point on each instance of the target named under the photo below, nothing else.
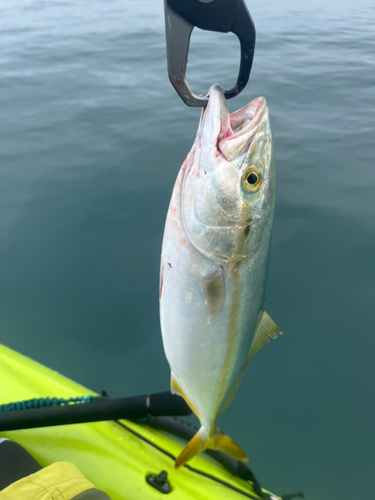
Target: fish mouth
(230, 134)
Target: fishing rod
(47, 412)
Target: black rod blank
(160, 404)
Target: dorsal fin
(267, 328)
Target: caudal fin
(201, 441)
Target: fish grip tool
(223, 16)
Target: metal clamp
(223, 16)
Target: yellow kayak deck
(115, 456)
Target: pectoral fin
(267, 328)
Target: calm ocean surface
(92, 137)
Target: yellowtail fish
(214, 263)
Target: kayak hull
(116, 456)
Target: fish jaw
(214, 126)
(244, 125)
(224, 134)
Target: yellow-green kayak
(116, 456)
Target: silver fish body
(215, 261)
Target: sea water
(92, 137)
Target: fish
(214, 263)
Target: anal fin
(176, 389)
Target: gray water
(92, 137)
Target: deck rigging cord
(28, 404)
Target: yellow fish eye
(252, 178)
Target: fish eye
(252, 178)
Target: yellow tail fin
(202, 441)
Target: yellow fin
(228, 446)
(266, 329)
(194, 446)
(176, 389)
(201, 441)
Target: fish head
(228, 191)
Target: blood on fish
(228, 133)
(181, 239)
(161, 281)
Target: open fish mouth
(243, 125)
(233, 133)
